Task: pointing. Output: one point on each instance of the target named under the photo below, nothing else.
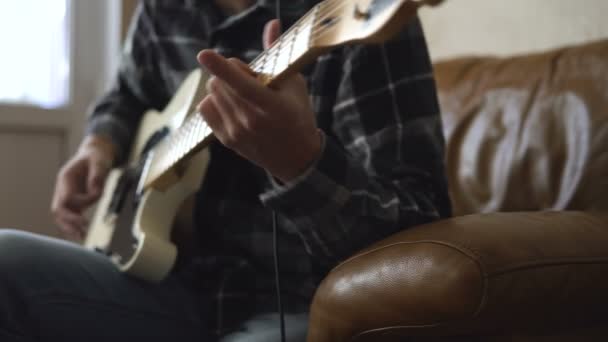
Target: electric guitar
(169, 158)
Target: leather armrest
(476, 274)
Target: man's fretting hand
(273, 128)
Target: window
(35, 58)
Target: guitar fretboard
(288, 49)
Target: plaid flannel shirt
(381, 169)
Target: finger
(243, 66)
(224, 125)
(68, 198)
(70, 231)
(242, 82)
(79, 202)
(245, 112)
(211, 114)
(68, 217)
(272, 31)
(221, 97)
(72, 225)
(98, 171)
(74, 218)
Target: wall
(35, 142)
(460, 27)
(128, 8)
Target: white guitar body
(144, 248)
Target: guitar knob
(359, 14)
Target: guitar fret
(186, 138)
(199, 129)
(283, 59)
(204, 130)
(294, 37)
(178, 145)
(268, 63)
(208, 130)
(193, 140)
(170, 150)
(258, 64)
(302, 41)
(276, 53)
(192, 133)
(196, 134)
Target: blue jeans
(51, 290)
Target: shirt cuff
(320, 190)
(109, 126)
(277, 184)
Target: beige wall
(461, 27)
(128, 7)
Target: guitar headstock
(332, 23)
(366, 21)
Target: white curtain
(35, 52)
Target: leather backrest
(527, 132)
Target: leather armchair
(525, 257)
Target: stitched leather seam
(548, 263)
(467, 252)
(422, 326)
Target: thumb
(272, 31)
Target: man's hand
(80, 183)
(274, 128)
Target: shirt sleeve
(136, 88)
(382, 165)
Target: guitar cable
(275, 233)
(275, 242)
(277, 274)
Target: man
(345, 155)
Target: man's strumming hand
(80, 183)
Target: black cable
(277, 275)
(275, 243)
